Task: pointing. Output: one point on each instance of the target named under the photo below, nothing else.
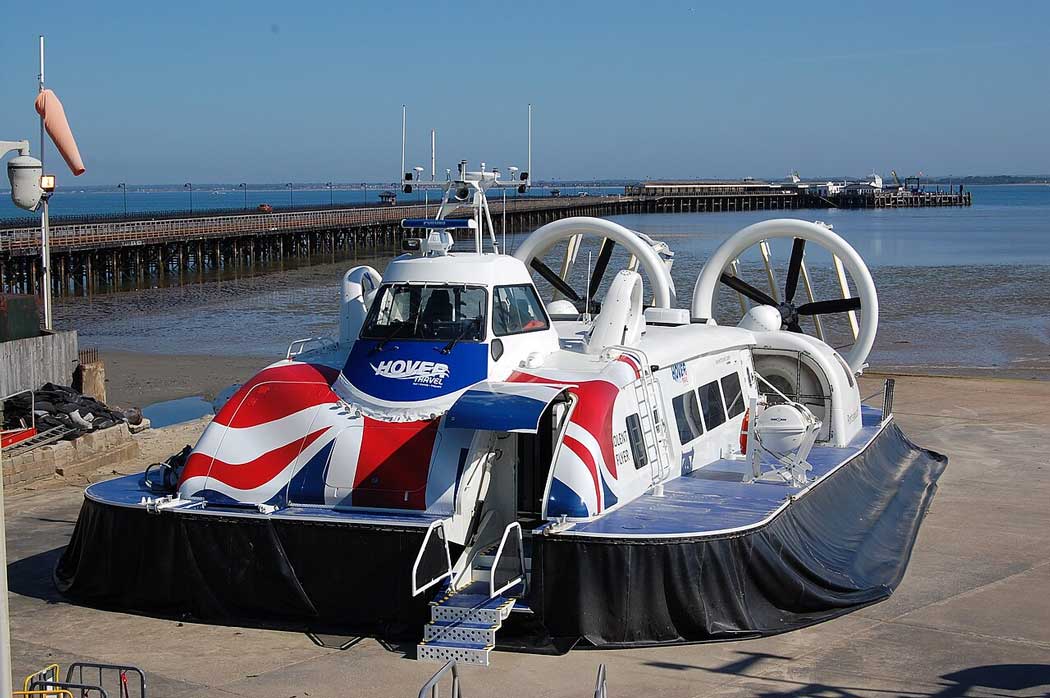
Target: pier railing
(86, 236)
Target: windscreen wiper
(448, 347)
(398, 324)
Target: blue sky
(306, 91)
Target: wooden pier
(113, 254)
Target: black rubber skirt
(845, 544)
(242, 570)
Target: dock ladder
(647, 393)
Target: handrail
(417, 590)
(298, 346)
(649, 384)
(493, 591)
(431, 684)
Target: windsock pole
(45, 232)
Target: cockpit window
(517, 309)
(427, 311)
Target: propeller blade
(842, 305)
(600, 266)
(798, 248)
(556, 281)
(741, 286)
(794, 327)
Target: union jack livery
(622, 470)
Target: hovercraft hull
(711, 560)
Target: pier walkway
(115, 252)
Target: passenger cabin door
(535, 461)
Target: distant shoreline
(989, 181)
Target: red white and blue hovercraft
(467, 458)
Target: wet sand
(136, 379)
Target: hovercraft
(467, 459)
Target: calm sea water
(960, 289)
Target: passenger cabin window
(429, 312)
(517, 309)
(733, 395)
(711, 404)
(687, 417)
(637, 439)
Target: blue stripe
(308, 484)
(479, 409)
(610, 498)
(563, 500)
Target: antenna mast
(529, 179)
(433, 154)
(404, 115)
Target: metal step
(471, 607)
(462, 652)
(460, 631)
(463, 625)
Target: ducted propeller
(789, 311)
(601, 266)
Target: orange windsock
(48, 106)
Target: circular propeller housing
(715, 273)
(533, 249)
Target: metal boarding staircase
(647, 393)
(467, 613)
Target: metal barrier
(599, 684)
(119, 672)
(49, 673)
(83, 690)
(432, 684)
(56, 693)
